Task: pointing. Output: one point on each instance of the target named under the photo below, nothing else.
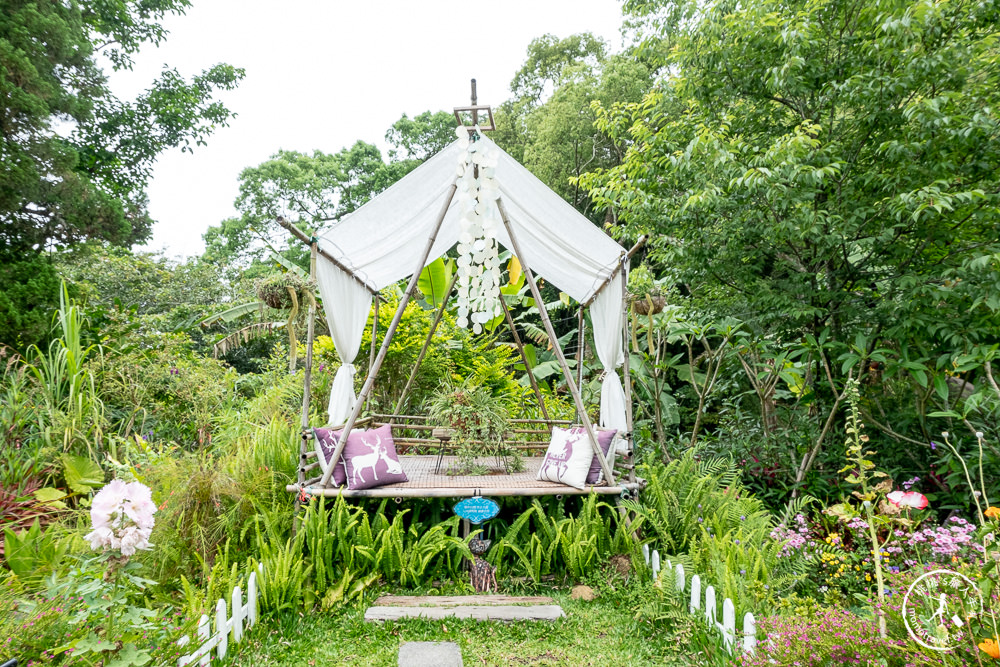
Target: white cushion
(568, 458)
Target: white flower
(122, 517)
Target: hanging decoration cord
(478, 291)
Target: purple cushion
(326, 444)
(369, 458)
(605, 436)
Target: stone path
(430, 654)
(477, 607)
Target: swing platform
(425, 483)
(428, 472)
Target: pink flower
(908, 499)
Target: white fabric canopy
(383, 241)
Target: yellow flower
(868, 577)
(990, 646)
(992, 513)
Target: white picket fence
(225, 628)
(728, 625)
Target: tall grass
(70, 416)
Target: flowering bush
(122, 517)
(833, 637)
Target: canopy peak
(463, 114)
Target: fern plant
(700, 509)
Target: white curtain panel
(346, 304)
(606, 315)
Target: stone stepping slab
(430, 654)
(459, 600)
(549, 612)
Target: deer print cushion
(605, 438)
(369, 458)
(568, 458)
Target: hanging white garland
(479, 221)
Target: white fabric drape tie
(346, 304)
(342, 393)
(606, 316)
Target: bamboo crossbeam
(381, 419)
(302, 236)
(614, 272)
(389, 332)
(573, 388)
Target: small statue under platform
(484, 575)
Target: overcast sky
(321, 75)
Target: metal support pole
(373, 371)
(573, 389)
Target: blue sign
(477, 509)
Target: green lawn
(602, 632)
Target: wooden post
(389, 332)
(307, 378)
(524, 358)
(573, 389)
(626, 373)
(371, 356)
(427, 344)
(579, 348)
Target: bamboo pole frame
(579, 346)
(305, 238)
(524, 357)
(626, 375)
(307, 375)
(573, 388)
(614, 272)
(427, 343)
(390, 331)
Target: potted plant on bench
(478, 423)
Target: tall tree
(75, 159)
(824, 165)
(549, 123)
(313, 190)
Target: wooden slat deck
(425, 483)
